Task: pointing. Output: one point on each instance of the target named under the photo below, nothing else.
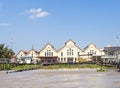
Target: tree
(5, 52)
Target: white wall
(68, 45)
(63, 59)
(94, 48)
(46, 48)
(32, 53)
(91, 47)
(20, 54)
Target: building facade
(32, 56)
(27, 57)
(91, 51)
(112, 54)
(69, 53)
(48, 55)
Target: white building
(21, 55)
(91, 51)
(69, 53)
(27, 57)
(32, 56)
(48, 54)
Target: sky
(27, 23)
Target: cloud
(37, 13)
(5, 24)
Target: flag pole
(117, 40)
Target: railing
(109, 56)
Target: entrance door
(70, 60)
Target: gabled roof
(89, 46)
(25, 52)
(67, 42)
(47, 45)
(113, 48)
(34, 51)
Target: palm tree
(5, 52)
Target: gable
(21, 53)
(48, 47)
(32, 52)
(70, 45)
(70, 42)
(91, 47)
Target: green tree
(5, 52)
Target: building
(20, 56)
(27, 57)
(112, 54)
(92, 52)
(69, 53)
(32, 56)
(48, 55)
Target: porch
(48, 60)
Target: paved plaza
(73, 78)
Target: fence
(5, 66)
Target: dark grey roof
(112, 48)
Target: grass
(61, 66)
(25, 67)
(70, 66)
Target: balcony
(109, 56)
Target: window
(95, 53)
(92, 52)
(70, 52)
(61, 53)
(110, 53)
(45, 53)
(58, 59)
(88, 52)
(51, 53)
(75, 59)
(64, 59)
(48, 53)
(61, 59)
(78, 53)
